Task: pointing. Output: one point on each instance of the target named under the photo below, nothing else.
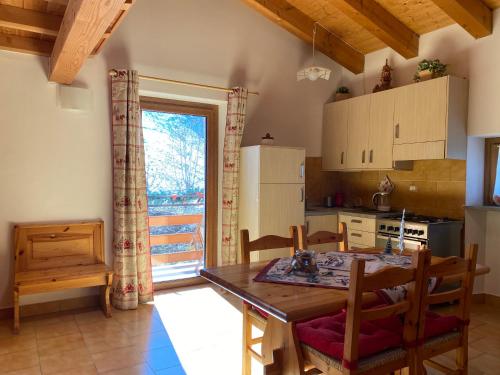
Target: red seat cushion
(436, 325)
(259, 311)
(326, 334)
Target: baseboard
(488, 299)
(479, 298)
(53, 306)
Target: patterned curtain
(235, 123)
(132, 257)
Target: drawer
(358, 223)
(361, 238)
(357, 246)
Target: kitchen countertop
(360, 212)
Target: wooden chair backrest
(44, 246)
(459, 270)
(386, 278)
(323, 237)
(266, 243)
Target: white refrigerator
(272, 193)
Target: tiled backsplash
(440, 186)
(319, 183)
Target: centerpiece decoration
(304, 263)
(401, 244)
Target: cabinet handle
(307, 226)
(301, 170)
(357, 221)
(371, 156)
(363, 157)
(342, 157)
(397, 131)
(302, 194)
(356, 234)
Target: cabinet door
(334, 142)
(318, 223)
(357, 133)
(431, 110)
(404, 115)
(281, 165)
(381, 134)
(280, 205)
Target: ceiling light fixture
(313, 72)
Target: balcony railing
(176, 228)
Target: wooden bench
(50, 257)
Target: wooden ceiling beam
(114, 25)
(382, 24)
(83, 26)
(22, 44)
(298, 23)
(473, 15)
(29, 20)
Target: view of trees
(174, 146)
(175, 153)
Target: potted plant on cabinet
(429, 69)
(342, 93)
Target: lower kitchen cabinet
(360, 230)
(316, 223)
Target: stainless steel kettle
(381, 201)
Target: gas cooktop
(411, 218)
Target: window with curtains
(492, 172)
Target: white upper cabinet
(379, 153)
(430, 120)
(426, 120)
(282, 165)
(357, 132)
(334, 142)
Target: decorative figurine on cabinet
(385, 78)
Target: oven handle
(407, 240)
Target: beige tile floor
(186, 331)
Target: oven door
(410, 244)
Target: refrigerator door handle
(302, 170)
(302, 194)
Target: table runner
(334, 271)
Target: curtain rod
(114, 72)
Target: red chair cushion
(326, 334)
(259, 311)
(436, 325)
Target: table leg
(281, 353)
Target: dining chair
(438, 334)
(252, 316)
(368, 338)
(322, 237)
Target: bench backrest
(44, 246)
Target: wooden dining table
(286, 305)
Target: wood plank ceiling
(34, 26)
(359, 27)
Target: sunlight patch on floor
(205, 329)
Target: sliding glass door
(180, 142)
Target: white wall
(227, 43)
(56, 164)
